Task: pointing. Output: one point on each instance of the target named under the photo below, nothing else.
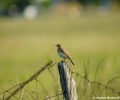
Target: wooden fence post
(67, 82)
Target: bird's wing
(66, 53)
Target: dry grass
(26, 45)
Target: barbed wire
(85, 82)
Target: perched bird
(63, 53)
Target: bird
(63, 53)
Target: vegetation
(25, 46)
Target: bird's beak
(56, 45)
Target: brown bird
(63, 53)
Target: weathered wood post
(67, 82)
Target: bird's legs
(64, 60)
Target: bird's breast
(62, 55)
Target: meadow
(25, 46)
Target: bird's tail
(72, 62)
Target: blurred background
(29, 30)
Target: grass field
(25, 46)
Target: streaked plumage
(63, 53)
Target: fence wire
(86, 89)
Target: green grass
(27, 45)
